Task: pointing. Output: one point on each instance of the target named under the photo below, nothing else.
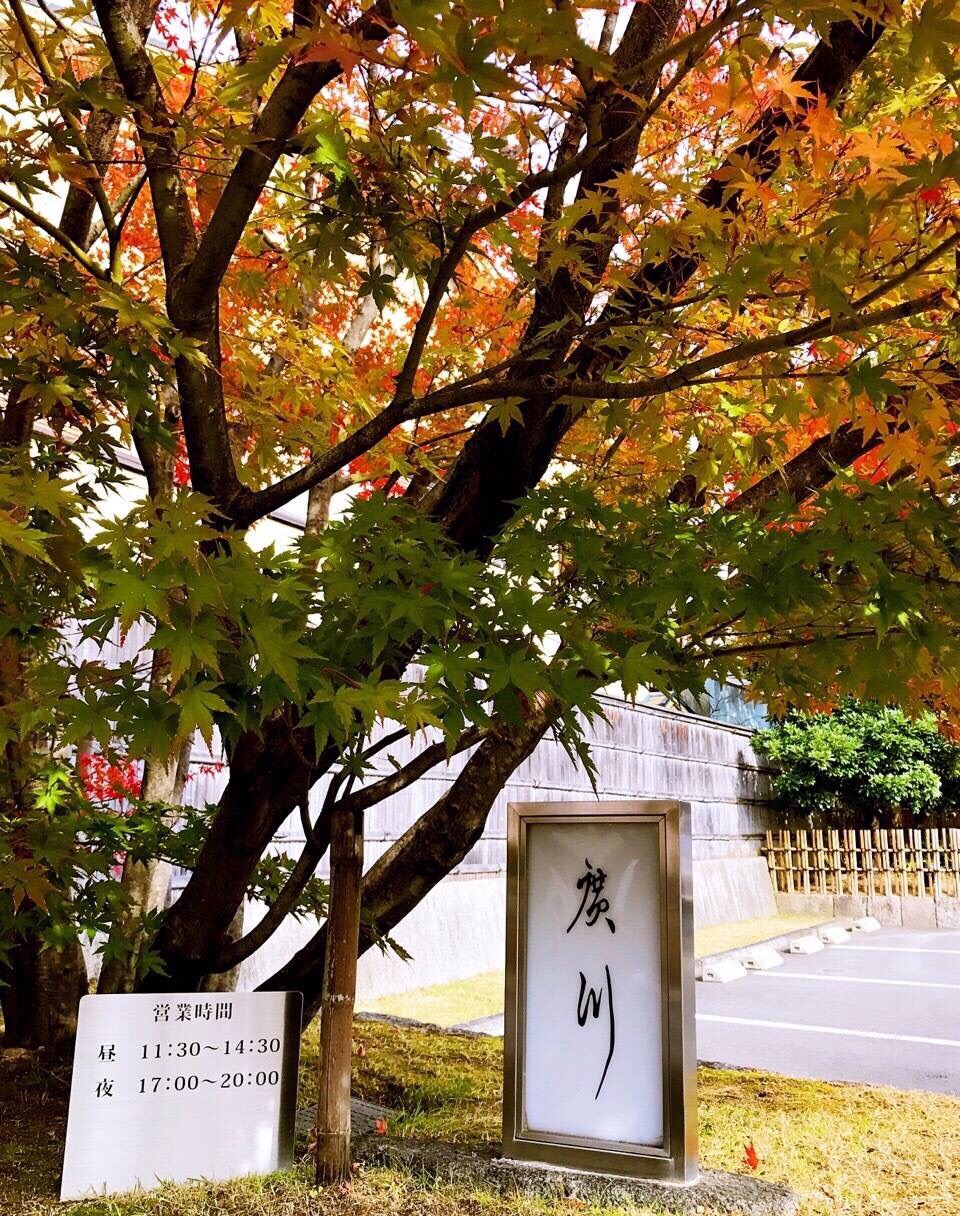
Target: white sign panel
(594, 997)
(599, 1051)
(181, 1086)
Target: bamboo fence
(880, 861)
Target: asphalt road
(883, 1008)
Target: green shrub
(862, 764)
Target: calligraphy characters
(590, 1001)
(591, 884)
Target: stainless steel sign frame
(663, 830)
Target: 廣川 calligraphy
(590, 1001)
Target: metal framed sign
(181, 1086)
(600, 1047)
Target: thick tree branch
(496, 468)
(615, 123)
(49, 77)
(317, 841)
(269, 770)
(552, 388)
(102, 129)
(156, 128)
(427, 851)
(809, 471)
(274, 126)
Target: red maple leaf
(750, 1158)
(380, 1127)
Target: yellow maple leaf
(788, 91)
(821, 121)
(884, 153)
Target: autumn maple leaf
(750, 1158)
(380, 1127)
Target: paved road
(883, 1008)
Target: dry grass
(449, 1004)
(849, 1151)
(733, 935)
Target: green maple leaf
(197, 705)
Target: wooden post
(772, 862)
(339, 993)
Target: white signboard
(600, 1051)
(181, 1086)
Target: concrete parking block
(762, 958)
(806, 945)
(723, 971)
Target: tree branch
(49, 78)
(497, 467)
(428, 850)
(79, 255)
(253, 505)
(771, 344)
(808, 471)
(269, 138)
(316, 843)
(156, 128)
(430, 757)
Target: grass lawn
(849, 1151)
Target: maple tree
(626, 333)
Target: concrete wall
(643, 751)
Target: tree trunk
(339, 993)
(39, 994)
(145, 883)
(226, 981)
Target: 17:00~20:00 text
(228, 1080)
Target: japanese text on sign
(180, 1087)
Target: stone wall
(910, 911)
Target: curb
(779, 942)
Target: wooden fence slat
(860, 861)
